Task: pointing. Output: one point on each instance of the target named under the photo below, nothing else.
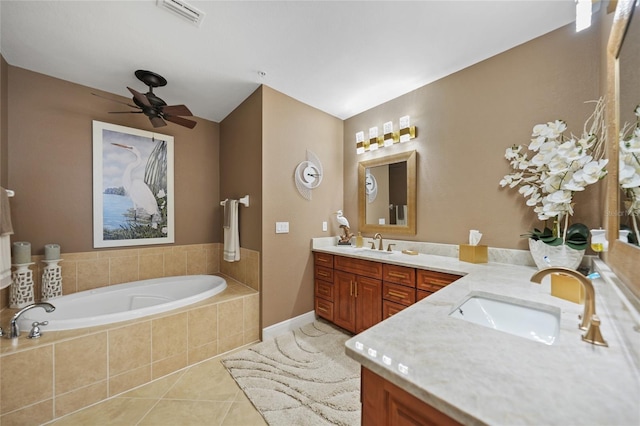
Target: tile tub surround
(481, 376)
(100, 268)
(64, 371)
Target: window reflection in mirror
(387, 194)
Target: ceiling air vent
(183, 10)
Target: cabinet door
(344, 301)
(384, 404)
(368, 303)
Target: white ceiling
(340, 57)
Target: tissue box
(473, 254)
(567, 288)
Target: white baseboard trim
(288, 325)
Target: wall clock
(371, 187)
(308, 175)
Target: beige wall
(241, 166)
(289, 129)
(466, 121)
(50, 167)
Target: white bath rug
(301, 377)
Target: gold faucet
(378, 237)
(590, 321)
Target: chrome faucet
(590, 321)
(14, 330)
(378, 237)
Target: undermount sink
(531, 320)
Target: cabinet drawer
(324, 290)
(433, 281)
(399, 274)
(323, 259)
(398, 293)
(323, 273)
(358, 266)
(421, 294)
(390, 308)
(324, 309)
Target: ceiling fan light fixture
(183, 10)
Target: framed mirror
(387, 194)
(623, 94)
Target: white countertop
(482, 376)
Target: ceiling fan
(152, 106)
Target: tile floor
(204, 394)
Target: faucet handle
(593, 334)
(35, 330)
(389, 247)
(373, 245)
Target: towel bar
(244, 201)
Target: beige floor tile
(186, 413)
(208, 381)
(155, 389)
(116, 411)
(243, 414)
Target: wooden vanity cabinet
(323, 283)
(358, 293)
(384, 404)
(428, 282)
(398, 288)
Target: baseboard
(288, 325)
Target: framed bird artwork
(132, 186)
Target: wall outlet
(324, 226)
(282, 227)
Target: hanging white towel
(231, 234)
(6, 229)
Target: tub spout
(14, 330)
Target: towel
(227, 214)
(231, 235)
(6, 229)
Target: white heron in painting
(136, 189)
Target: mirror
(387, 194)
(622, 257)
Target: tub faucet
(590, 321)
(378, 237)
(14, 330)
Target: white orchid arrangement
(553, 167)
(629, 172)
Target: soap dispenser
(359, 240)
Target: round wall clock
(308, 175)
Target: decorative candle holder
(21, 291)
(51, 279)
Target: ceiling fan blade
(176, 110)
(140, 97)
(115, 100)
(181, 121)
(157, 122)
(125, 112)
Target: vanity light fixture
(360, 143)
(407, 131)
(389, 137)
(374, 140)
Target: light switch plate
(282, 227)
(324, 226)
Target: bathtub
(122, 302)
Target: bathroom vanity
(421, 362)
